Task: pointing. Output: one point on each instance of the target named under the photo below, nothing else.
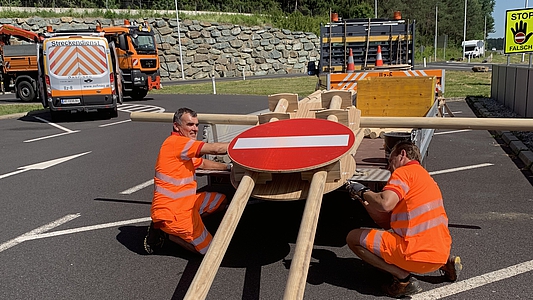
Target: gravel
(490, 108)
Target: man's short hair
(411, 150)
(180, 112)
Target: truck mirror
(312, 68)
(122, 42)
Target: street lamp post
(464, 33)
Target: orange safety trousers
(191, 228)
(390, 247)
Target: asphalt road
(74, 229)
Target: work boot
(400, 289)
(154, 240)
(452, 268)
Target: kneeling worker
(411, 205)
(177, 209)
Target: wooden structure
(308, 184)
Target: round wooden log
(518, 124)
(306, 236)
(449, 123)
(211, 262)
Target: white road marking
(85, 228)
(43, 165)
(66, 131)
(50, 136)
(452, 131)
(475, 282)
(55, 125)
(138, 187)
(292, 141)
(37, 231)
(140, 107)
(115, 123)
(460, 169)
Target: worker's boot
(154, 240)
(400, 289)
(452, 268)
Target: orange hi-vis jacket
(419, 217)
(174, 181)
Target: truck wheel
(25, 91)
(138, 94)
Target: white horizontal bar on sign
(292, 142)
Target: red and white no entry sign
(291, 145)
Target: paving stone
(527, 158)
(517, 146)
(508, 137)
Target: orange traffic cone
(379, 59)
(350, 66)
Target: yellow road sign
(518, 31)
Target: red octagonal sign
(291, 145)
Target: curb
(517, 147)
(23, 114)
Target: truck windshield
(144, 43)
(470, 48)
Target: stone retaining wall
(209, 49)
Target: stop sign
(291, 145)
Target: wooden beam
(512, 124)
(306, 237)
(211, 262)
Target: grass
(303, 85)
(8, 109)
(457, 84)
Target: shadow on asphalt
(264, 236)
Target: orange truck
(364, 38)
(137, 57)
(18, 62)
(77, 72)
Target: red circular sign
(291, 145)
(519, 37)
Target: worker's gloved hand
(356, 190)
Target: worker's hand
(356, 190)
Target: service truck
(137, 56)
(77, 73)
(381, 49)
(18, 62)
(474, 48)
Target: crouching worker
(177, 209)
(411, 205)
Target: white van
(77, 73)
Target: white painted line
(452, 131)
(138, 187)
(475, 282)
(292, 141)
(55, 125)
(115, 123)
(13, 173)
(36, 231)
(85, 228)
(50, 136)
(460, 169)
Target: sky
(499, 14)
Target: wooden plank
(291, 105)
(211, 262)
(306, 236)
(395, 96)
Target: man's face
(188, 126)
(396, 161)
